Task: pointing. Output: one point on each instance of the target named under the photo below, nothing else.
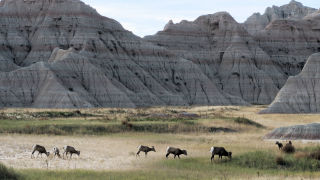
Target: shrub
(7, 173)
(280, 161)
(246, 121)
(315, 155)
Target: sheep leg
(71, 156)
(145, 154)
(179, 156)
(32, 154)
(212, 158)
(138, 153)
(167, 155)
(174, 156)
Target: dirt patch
(96, 153)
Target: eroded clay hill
(252, 66)
(293, 10)
(63, 54)
(227, 54)
(298, 132)
(301, 93)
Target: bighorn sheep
(280, 145)
(145, 149)
(41, 150)
(56, 152)
(175, 152)
(219, 151)
(70, 150)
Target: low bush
(246, 121)
(8, 173)
(280, 161)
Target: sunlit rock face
(290, 42)
(227, 54)
(291, 11)
(301, 93)
(63, 54)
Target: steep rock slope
(63, 54)
(290, 42)
(293, 10)
(299, 132)
(301, 93)
(226, 53)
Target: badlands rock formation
(227, 54)
(290, 42)
(301, 93)
(63, 54)
(299, 132)
(293, 10)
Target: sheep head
(185, 152)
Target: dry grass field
(108, 144)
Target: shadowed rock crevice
(226, 53)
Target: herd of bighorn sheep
(219, 151)
(56, 152)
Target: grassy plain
(108, 140)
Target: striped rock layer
(63, 54)
(301, 93)
(227, 54)
(298, 132)
(251, 67)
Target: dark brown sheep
(41, 150)
(70, 150)
(145, 149)
(280, 145)
(175, 152)
(221, 151)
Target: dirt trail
(97, 153)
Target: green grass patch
(60, 114)
(268, 160)
(92, 127)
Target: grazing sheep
(70, 150)
(175, 152)
(56, 152)
(219, 151)
(289, 148)
(41, 150)
(280, 145)
(145, 149)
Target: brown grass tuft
(301, 155)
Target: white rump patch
(212, 149)
(139, 147)
(168, 149)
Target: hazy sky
(146, 17)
